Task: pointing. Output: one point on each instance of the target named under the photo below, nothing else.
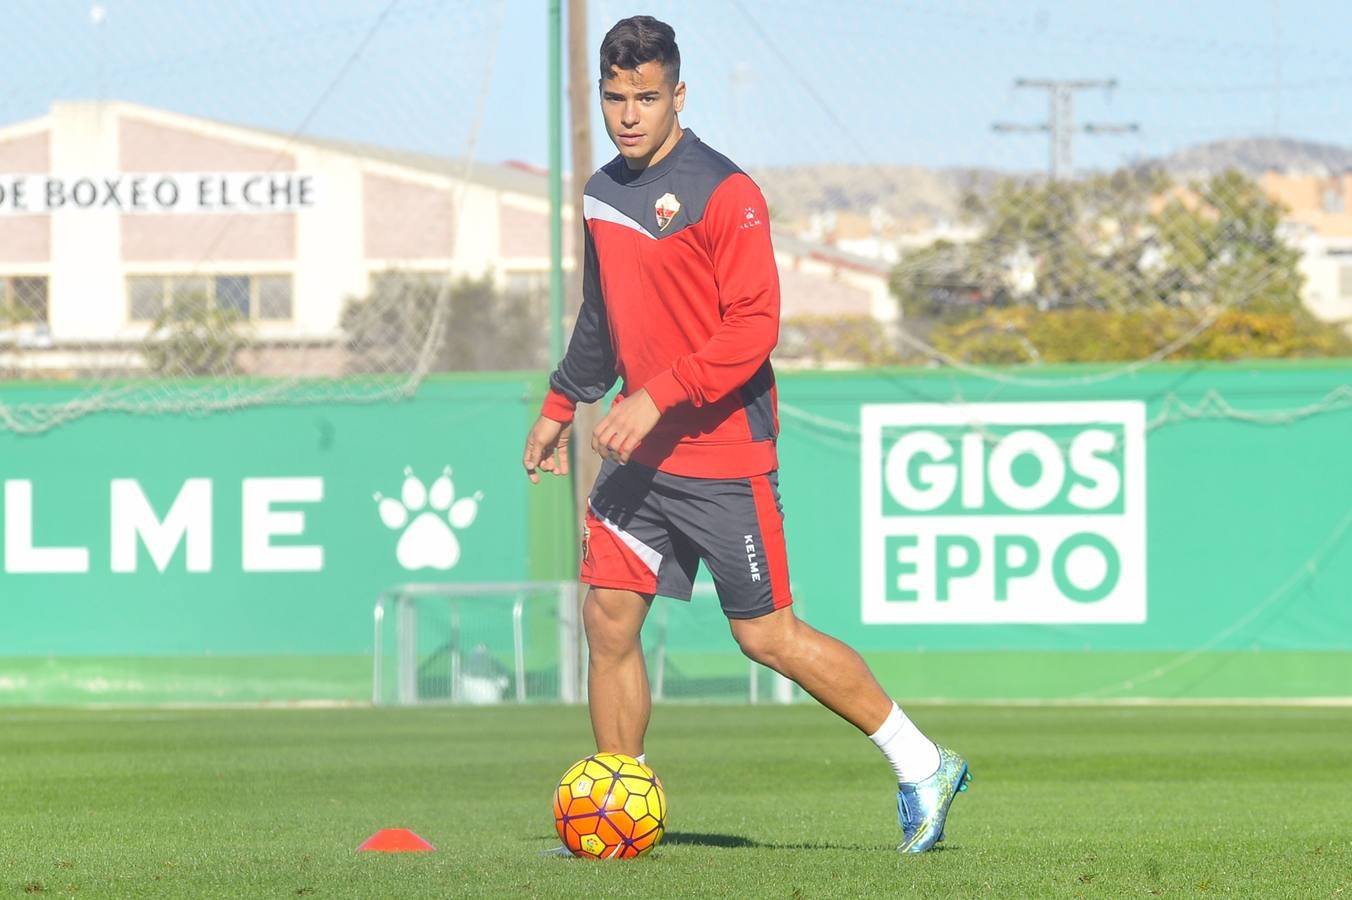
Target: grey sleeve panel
(759, 403)
(691, 178)
(587, 371)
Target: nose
(629, 116)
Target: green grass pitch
(764, 801)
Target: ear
(678, 96)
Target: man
(681, 301)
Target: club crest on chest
(667, 208)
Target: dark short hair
(636, 40)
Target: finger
(562, 468)
(601, 441)
(620, 447)
(530, 460)
(602, 431)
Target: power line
(1060, 124)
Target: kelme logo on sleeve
(1003, 513)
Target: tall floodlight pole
(555, 181)
(1060, 124)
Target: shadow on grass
(737, 841)
(696, 838)
(692, 838)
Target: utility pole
(582, 96)
(1276, 69)
(582, 93)
(555, 57)
(1060, 124)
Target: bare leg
(829, 670)
(617, 680)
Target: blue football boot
(922, 806)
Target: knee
(765, 640)
(612, 629)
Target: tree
(1115, 267)
(822, 340)
(479, 328)
(193, 337)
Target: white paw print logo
(430, 541)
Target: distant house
(110, 211)
(1319, 221)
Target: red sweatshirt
(681, 297)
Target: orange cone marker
(395, 840)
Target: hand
(618, 435)
(547, 448)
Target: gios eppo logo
(1003, 513)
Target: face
(640, 108)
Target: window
(145, 297)
(189, 294)
(526, 284)
(1331, 198)
(232, 294)
(256, 297)
(23, 299)
(532, 287)
(274, 297)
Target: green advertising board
(239, 555)
(1181, 530)
(1174, 531)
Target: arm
(587, 370)
(737, 229)
(748, 301)
(584, 375)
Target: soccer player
(681, 301)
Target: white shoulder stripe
(597, 209)
(647, 555)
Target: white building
(1317, 220)
(111, 211)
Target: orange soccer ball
(609, 806)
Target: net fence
(486, 644)
(210, 206)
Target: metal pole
(660, 682)
(406, 631)
(555, 181)
(377, 662)
(519, 648)
(568, 642)
(455, 650)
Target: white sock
(643, 758)
(912, 755)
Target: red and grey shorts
(646, 531)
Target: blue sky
(770, 81)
